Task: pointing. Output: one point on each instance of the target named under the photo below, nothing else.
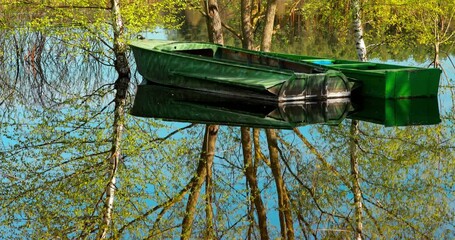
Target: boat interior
(253, 59)
(295, 63)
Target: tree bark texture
(355, 176)
(284, 204)
(247, 27)
(121, 86)
(268, 27)
(436, 61)
(214, 26)
(215, 33)
(251, 176)
(358, 32)
(208, 196)
(362, 55)
(206, 159)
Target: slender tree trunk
(250, 208)
(208, 149)
(356, 180)
(206, 159)
(355, 175)
(208, 195)
(436, 55)
(121, 85)
(214, 26)
(250, 167)
(437, 39)
(251, 176)
(187, 222)
(358, 32)
(284, 205)
(268, 27)
(247, 28)
(285, 215)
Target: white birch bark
(358, 32)
(121, 85)
(355, 175)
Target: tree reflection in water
(56, 126)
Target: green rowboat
(215, 68)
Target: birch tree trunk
(355, 175)
(121, 86)
(358, 32)
(437, 39)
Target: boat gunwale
(224, 62)
(221, 61)
(410, 84)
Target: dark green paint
(215, 68)
(182, 105)
(398, 112)
(378, 79)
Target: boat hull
(380, 80)
(198, 66)
(208, 65)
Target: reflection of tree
(55, 161)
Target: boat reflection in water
(183, 105)
(397, 112)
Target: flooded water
(56, 115)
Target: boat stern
(331, 84)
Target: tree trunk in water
(355, 175)
(358, 32)
(250, 167)
(208, 194)
(204, 172)
(284, 205)
(285, 215)
(251, 176)
(121, 85)
(268, 27)
(356, 179)
(206, 159)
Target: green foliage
(409, 24)
(90, 20)
(57, 125)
